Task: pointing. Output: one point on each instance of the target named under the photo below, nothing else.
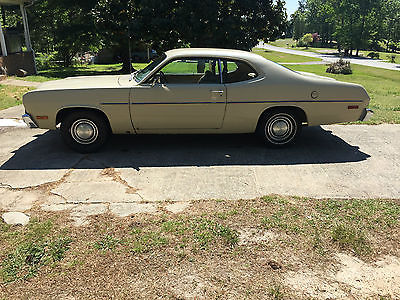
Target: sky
(291, 6)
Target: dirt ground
(267, 248)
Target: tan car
(194, 91)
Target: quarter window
(236, 71)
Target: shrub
(340, 67)
(44, 61)
(373, 55)
(392, 58)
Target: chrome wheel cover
(84, 131)
(280, 129)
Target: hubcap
(84, 131)
(281, 129)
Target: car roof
(211, 52)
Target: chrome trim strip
(200, 102)
(116, 103)
(254, 102)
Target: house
(16, 48)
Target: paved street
(329, 58)
(149, 173)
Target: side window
(236, 71)
(191, 71)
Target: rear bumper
(366, 115)
(28, 121)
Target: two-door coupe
(194, 91)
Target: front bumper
(366, 115)
(28, 121)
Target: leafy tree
(169, 23)
(230, 23)
(64, 26)
(320, 18)
(391, 25)
(307, 39)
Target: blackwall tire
(84, 131)
(279, 128)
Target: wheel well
(293, 109)
(66, 111)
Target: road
(328, 58)
(143, 173)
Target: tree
(299, 25)
(320, 18)
(391, 24)
(169, 23)
(64, 26)
(307, 39)
(359, 23)
(235, 24)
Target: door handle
(221, 92)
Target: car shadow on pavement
(316, 146)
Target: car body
(196, 91)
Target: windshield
(143, 72)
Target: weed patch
(32, 249)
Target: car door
(185, 94)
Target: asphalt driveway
(143, 173)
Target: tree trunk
(126, 66)
(357, 52)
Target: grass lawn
(290, 43)
(284, 43)
(11, 95)
(280, 57)
(383, 87)
(217, 249)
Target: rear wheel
(279, 128)
(84, 131)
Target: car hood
(83, 82)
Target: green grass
(30, 249)
(281, 57)
(11, 95)
(107, 242)
(383, 86)
(284, 43)
(346, 224)
(290, 43)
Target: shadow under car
(315, 146)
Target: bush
(300, 43)
(373, 55)
(340, 67)
(392, 58)
(44, 61)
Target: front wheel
(278, 128)
(84, 131)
